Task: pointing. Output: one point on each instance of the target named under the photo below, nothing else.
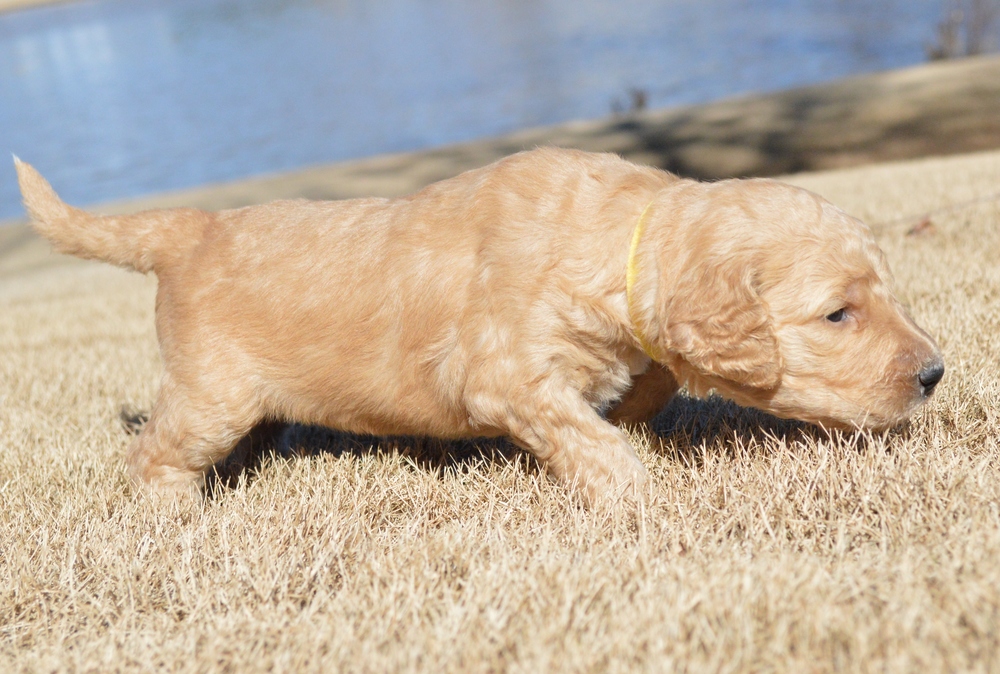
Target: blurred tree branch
(970, 28)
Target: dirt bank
(934, 109)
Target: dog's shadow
(684, 430)
(693, 426)
(291, 441)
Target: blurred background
(113, 99)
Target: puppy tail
(140, 241)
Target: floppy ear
(714, 319)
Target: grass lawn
(769, 547)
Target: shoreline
(18, 5)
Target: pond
(117, 98)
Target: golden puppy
(520, 299)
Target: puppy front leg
(581, 449)
(650, 393)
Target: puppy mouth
(865, 422)
(871, 421)
(908, 395)
(893, 413)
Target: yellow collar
(631, 275)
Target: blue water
(117, 98)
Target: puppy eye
(837, 316)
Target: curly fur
(494, 304)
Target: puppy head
(777, 299)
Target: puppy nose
(930, 376)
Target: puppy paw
(613, 487)
(170, 488)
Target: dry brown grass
(770, 547)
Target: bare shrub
(970, 28)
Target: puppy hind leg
(180, 442)
(581, 449)
(650, 393)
